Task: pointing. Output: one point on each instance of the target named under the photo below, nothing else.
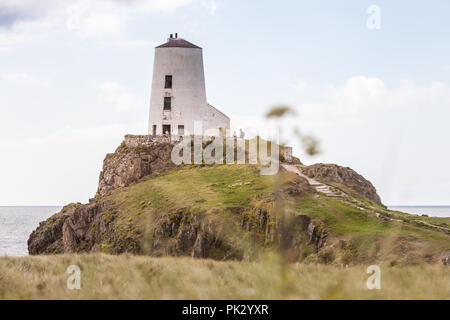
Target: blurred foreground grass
(139, 277)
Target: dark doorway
(154, 129)
(166, 129)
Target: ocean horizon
(432, 211)
(16, 225)
(18, 222)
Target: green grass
(444, 221)
(210, 188)
(137, 277)
(217, 186)
(229, 196)
(374, 240)
(355, 237)
(341, 218)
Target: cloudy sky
(75, 77)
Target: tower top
(174, 41)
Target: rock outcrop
(183, 232)
(129, 164)
(82, 228)
(189, 231)
(236, 216)
(332, 173)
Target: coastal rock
(317, 235)
(237, 216)
(128, 165)
(189, 232)
(332, 173)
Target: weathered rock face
(186, 231)
(127, 165)
(190, 232)
(183, 232)
(47, 238)
(332, 173)
(81, 228)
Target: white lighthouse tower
(178, 97)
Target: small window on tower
(167, 103)
(154, 129)
(168, 82)
(181, 130)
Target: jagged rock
(80, 228)
(332, 173)
(48, 237)
(127, 165)
(230, 230)
(317, 235)
(190, 233)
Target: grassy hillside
(291, 242)
(232, 212)
(354, 236)
(137, 277)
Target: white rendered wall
(188, 93)
(214, 119)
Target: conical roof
(178, 42)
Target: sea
(17, 223)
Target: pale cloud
(69, 136)
(210, 6)
(129, 44)
(359, 94)
(22, 20)
(300, 86)
(65, 163)
(156, 5)
(109, 17)
(27, 79)
(119, 96)
(95, 19)
(9, 39)
(15, 11)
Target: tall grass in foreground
(139, 277)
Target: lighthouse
(178, 97)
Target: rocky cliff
(127, 165)
(344, 176)
(146, 205)
(188, 231)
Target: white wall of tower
(188, 94)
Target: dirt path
(333, 192)
(319, 186)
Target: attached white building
(178, 97)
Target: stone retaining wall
(134, 141)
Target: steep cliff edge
(343, 176)
(127, 165)
(146, 205)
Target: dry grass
(139, 277)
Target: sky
(369, 79)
